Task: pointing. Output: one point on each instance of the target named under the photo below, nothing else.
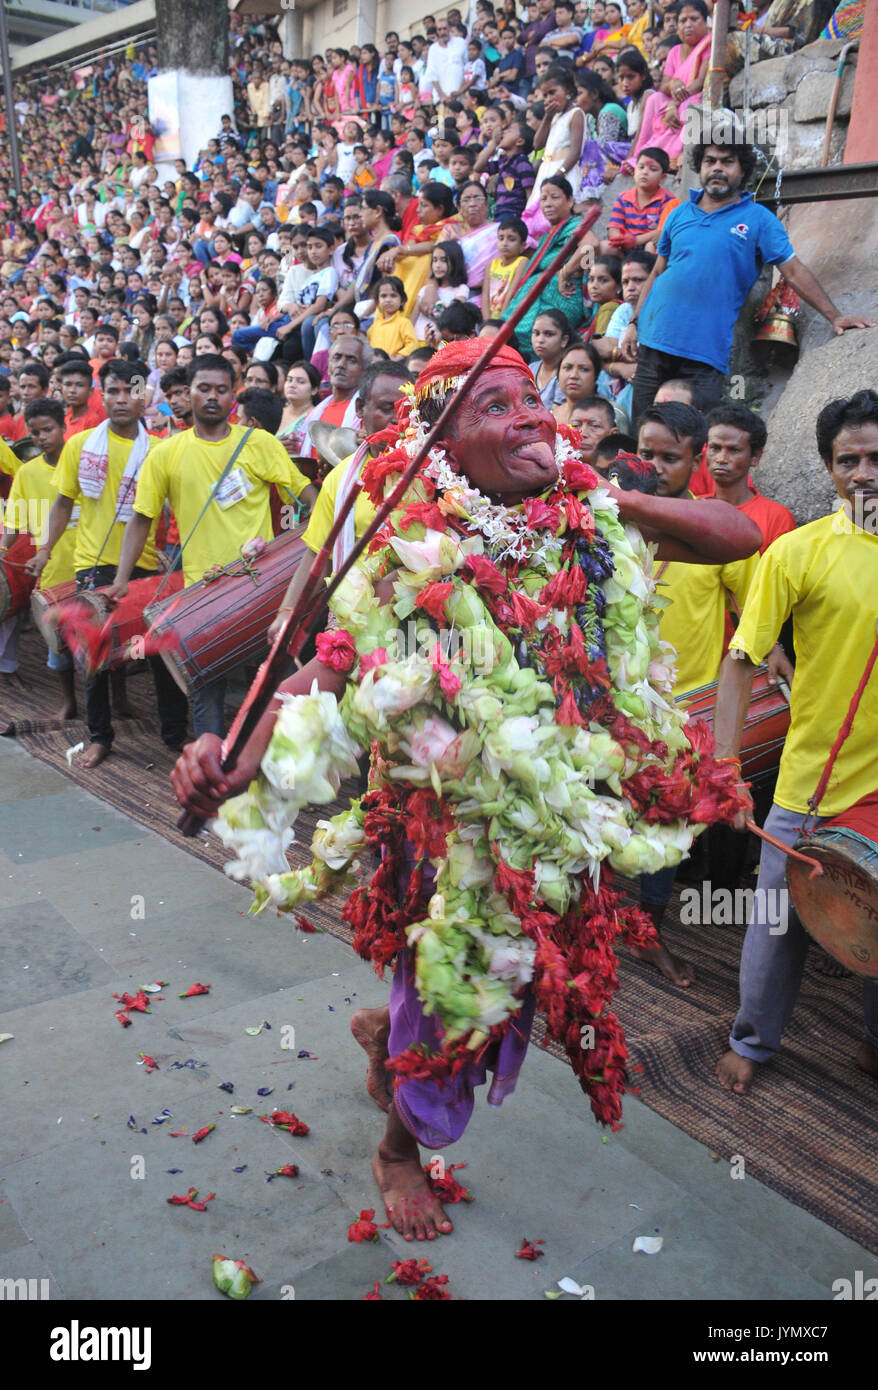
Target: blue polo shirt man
(710, 254)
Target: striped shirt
(629, 219)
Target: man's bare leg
(735, 1073)
(93, 755)
(371, 1028)
(674, 968)
(411, 1208)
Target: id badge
(234, 488)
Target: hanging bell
(778, 327)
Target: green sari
(551, 297)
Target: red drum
(16, 585)
(765, 728)
(840, 907)
(128, 617)
(221, 623)
(41, 605)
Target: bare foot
(67, 710)
(735, 1073)
(371, 1028)
(674, 968)
(93, 755)
(411, 1207)
(867, 1057)
(825, 964)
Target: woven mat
(809, 1129)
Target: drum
(41, 604)
(840, 907)
(221, 623)
(125, 623)
(16, 585)
(765, 728)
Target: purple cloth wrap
(435, 1114)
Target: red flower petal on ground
(487, 575)
(150, 1063)
(289, 1170)
(194, 989)
(433, 597)
(373, 1296)
(285, 1119)
(363, 1229)
(138, 1002)
(408, 1272)
(304, 925)
(189, 1200)
(376, 657)
(432, 1291)
(202, 1134)
(336, 649)
(529, 1249)
(446, 1187)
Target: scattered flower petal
(202, 1134)
(446, 1187)
(149, 1062)
(241, 1169)
(650, 1245)
(529, 1249)
(254, 1032)
(431, 1290)
(234, 1278)
(156, 987)
(408, 1272)
(71, 753)
(364, 1228)
(189, 1200)
(241, 1110)
(194, 989)
(227, 1086)
(7, 1037)
(285, 1119)
(373, 1296)
(265, 1090)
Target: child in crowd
(505, 270)
(549, 338)
(637, 213)
(364, 174)
(604, 290)
(446, 283)
(391, 330)
(386, 89)
(406, 93)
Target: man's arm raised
(692, 531)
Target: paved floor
(92, 905)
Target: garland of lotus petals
(517, 700)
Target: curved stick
(816, 868)
(312, 601)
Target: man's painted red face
(504, 437)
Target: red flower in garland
(429, 514)
(376, 657)
(364, 1229)
(526, 611)
(487, 576)
(378, 470)
(336, 649)
(433, 597)
(517, 884)
(581, 477)
(567, 712)
(449, 681)
(428, 823)
(566, 589)
(660, 796)
(700, 736)
(540, 515)
(446, 1187)
(529, 1249)
(432, 1291)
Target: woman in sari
(556, 203)
(379, 220)
(475, 233)
(664, 113)
(411, 260)
(778, 28)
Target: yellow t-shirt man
(694, 621)
(184, 469)
(323, 513)
(97, 513)
(30, 500)
(826, 575)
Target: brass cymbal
(26, 448)
(333, 442)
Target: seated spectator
(391, 330)
(577, 377)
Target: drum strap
(844, 731)
(213, 492)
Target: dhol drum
(765, 728)
(221, 623)
(839, 908)
(42, 602)
(16, 585)
(122, 628)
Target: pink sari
(653, 131)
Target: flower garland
(524, 743)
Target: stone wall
(802, 85)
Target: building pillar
(292, 33)
(367, 22)
(861, 145)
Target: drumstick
(816, 869)
(311, 604)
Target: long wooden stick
(312, 602)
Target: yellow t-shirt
(96, 515)
(30, 500)
(395, 335)
(184, 469)
(323, 515)
(694, 622)
(826, 575)
(9, 462)
(499, 277)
